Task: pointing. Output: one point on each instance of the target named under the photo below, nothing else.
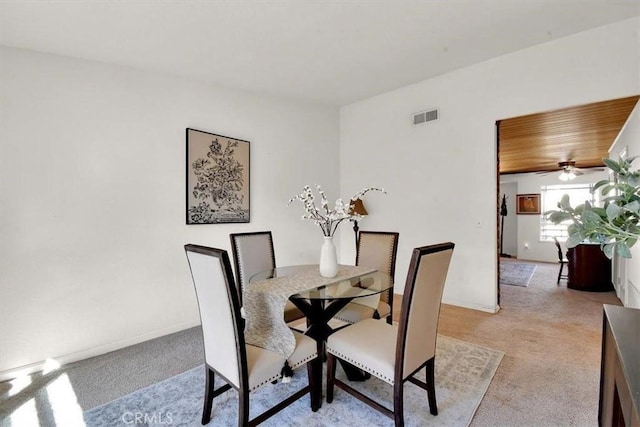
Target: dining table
(318, 298)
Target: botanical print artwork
(217, 178)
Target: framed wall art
(528, 204)
(217, 179)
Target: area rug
(516, 273)
(463, 373)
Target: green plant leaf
(607, 189)
(564, 202)
(614, 199)
(613, 211)
(590, 216)
(612, 164)
(633, 180)
(622, 249)
(608, 249)
(601, 183)
(633, 206)
(558, 216)
(574, 240)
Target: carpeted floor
(463, 373)
(549, 376)
(551, 337)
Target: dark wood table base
(318, 314)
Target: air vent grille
(425, 116)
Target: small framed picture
(217, 178)
(528, 204)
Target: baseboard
(397, 303)
(463, 304)
(94, 351)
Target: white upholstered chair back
(219, 310)
(378, 250)
(421, 304)
(252, 253)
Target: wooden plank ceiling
(582, 134)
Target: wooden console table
(620, 368)
(589, 269)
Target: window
(551, 195)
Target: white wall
(92, 192)
(92, 180)
(441, 177)
(628, 280)
(529, 246)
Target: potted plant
(616, 224)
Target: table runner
(264, 303)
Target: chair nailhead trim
(343, 319)
(360, 365)
(277, 377)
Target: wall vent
(425, 116)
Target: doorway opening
(543, 149)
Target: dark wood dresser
(620, 368)
(589, 269)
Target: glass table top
(364, 285)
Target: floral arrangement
(325, 218)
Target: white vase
(328, 259)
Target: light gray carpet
(516, 273)
(463, 374)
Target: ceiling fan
(569, 170)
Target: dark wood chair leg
(243, 408)
(560, 272)
(431, 386)
(208, 395)
(331, 375)
(398, 404)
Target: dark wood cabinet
(620, 368)
(589, 269)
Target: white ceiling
(333, 52)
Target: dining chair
(242, 366)
(376, 249)
(252, 253)
(396, 353)
(562, 260)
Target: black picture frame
(217, 178)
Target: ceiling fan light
(566, 175)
